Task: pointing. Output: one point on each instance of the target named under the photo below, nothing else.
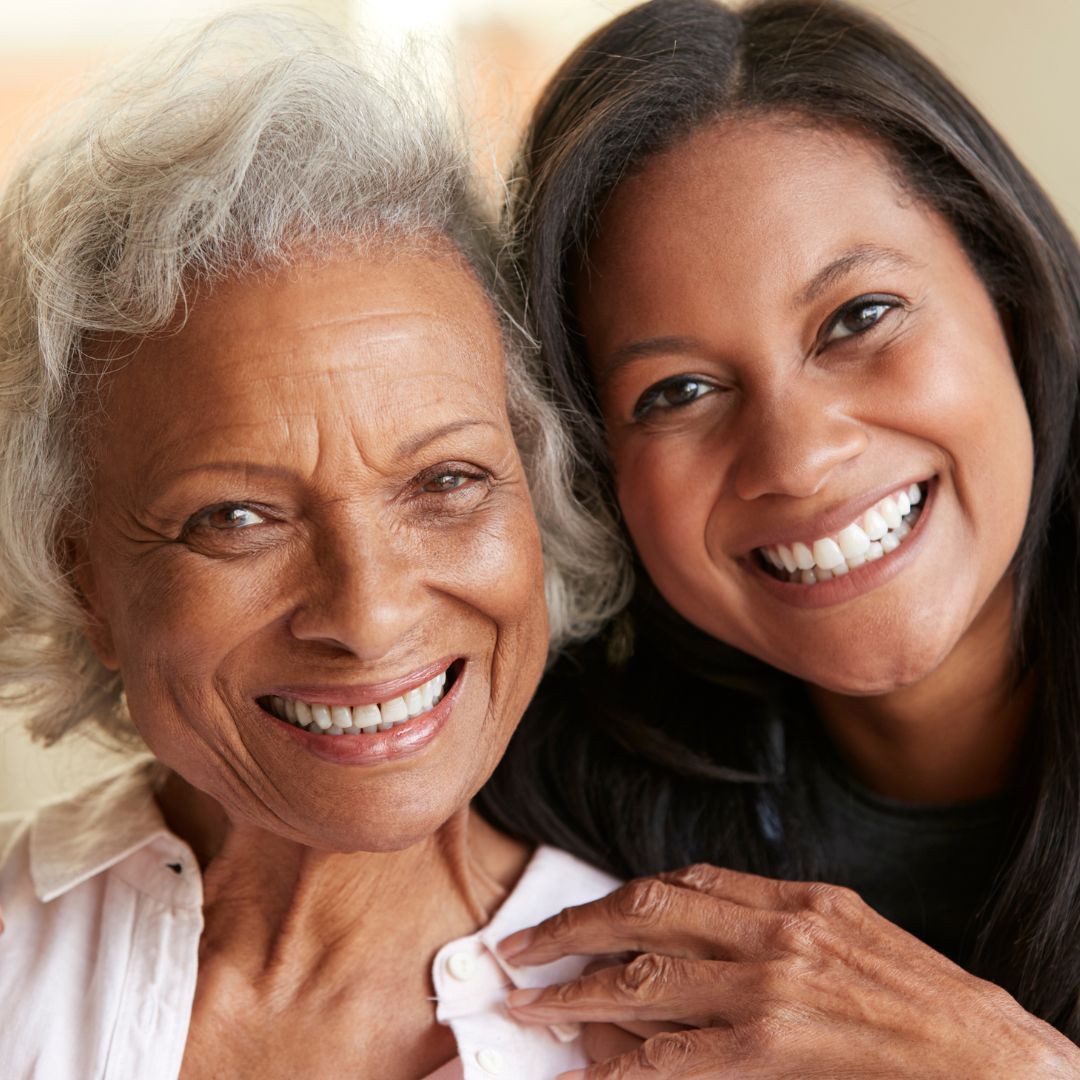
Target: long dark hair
(692, 751)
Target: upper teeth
(342, 719)
(879, 531)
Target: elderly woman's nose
(791, 443)
(360, 597)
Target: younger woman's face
(821, 448)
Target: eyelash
(650, 399)
(870, 300)
(202, 517)
(470, 474)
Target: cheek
(181, 613)
(964, 397)
(506, 583)
(667, 488)
(669, 492)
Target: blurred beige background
(1017, 61)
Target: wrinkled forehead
(378, 345)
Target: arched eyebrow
(857, 258)
(643, 350)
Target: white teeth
(343, 720)
(853, 542)
(393, 711)
(827, 553)
(366, 716)
(890, 512)
(804, 558)
(874, 525)
(879, 532)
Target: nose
(791, 443)
(363, 593)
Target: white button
(461, 965)
(491, 1061)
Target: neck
(280, 911)
(953, 736)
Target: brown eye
(672, 393)
(859, 316)
(443, 482)
(232, 517)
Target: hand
(777, 979)
(603, 1041)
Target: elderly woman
(268, 442)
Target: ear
(96, 628)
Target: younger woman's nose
(791, 445)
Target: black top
(929, 869)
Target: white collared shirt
(99, 959)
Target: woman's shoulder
(60, 839)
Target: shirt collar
(75, 838)
(553, 880)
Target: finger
(748, 890)
(688, 1055)
(754, 891)
(645, 915)
(646, 1029)
(651, 987)
(604, 1041)
(602, 962)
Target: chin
(856, 674)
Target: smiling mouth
(876, 534)
(322, 719)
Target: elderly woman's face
(308, 505)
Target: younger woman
(822, 332)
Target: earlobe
(96, 627)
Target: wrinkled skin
(776, 979)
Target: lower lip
(855, 583)
(399, 742)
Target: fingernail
(521, 999)
(517, 943)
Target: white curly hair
(256, 141)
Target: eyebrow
(642, 350)
(424, 438)
(856, 258)
(405, 449)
